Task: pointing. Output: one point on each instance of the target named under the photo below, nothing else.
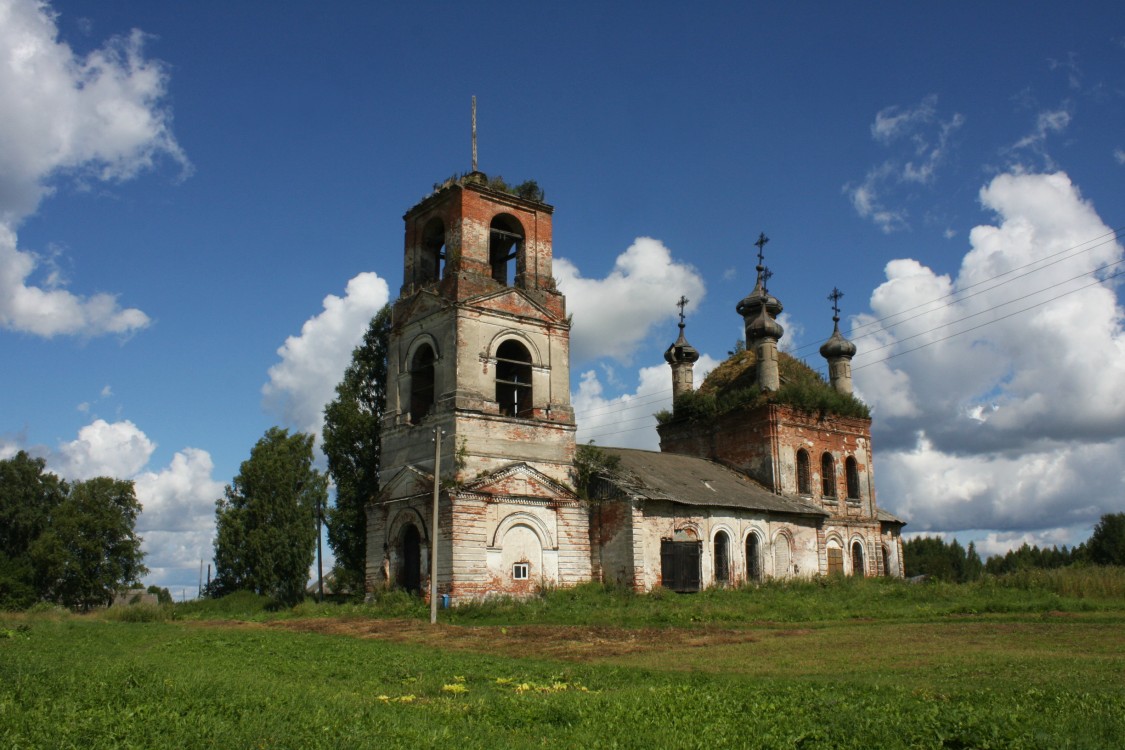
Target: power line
(953, 298)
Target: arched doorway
(410, 560)
(857, 560)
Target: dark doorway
(753, 559)
(410, 566)
(679, 565)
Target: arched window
(803, 472)
(505, 245)
(421, 383)
(722, 557)
(852, 470)
(753, 558)
(828, 475)
(884, 558)
(513, 379)
(857, 559)
(432, 259)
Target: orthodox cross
(682, 304)
(767, 274)
(761, 243)
(835, 297)
(474, 134)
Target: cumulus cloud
(921, 142)
(617, 313)
(177, 521)
(104, 449)
(1005, 410)
(97, 117)
(1119, 155)
(312, 363)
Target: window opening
(421, 383)
(513, 379)
(828, 475)
(753, 559)
(803, 472)
(857, 559)
(431, 264)
(505, 245)
(884, 556)
(835, 561)
(722, 557)
(520, 571)
(852, 471)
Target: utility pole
(319, 559)
(434, 526)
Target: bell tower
(480, 340)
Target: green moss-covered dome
(733, 384)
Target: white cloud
(97, 117)
(1119, 155)
(118, 449)
(921, 141)
(1046, 123)
(1019, 424)
(177, 521)
(614, 315)
(627, 420)
(50, 311)
(312, 364)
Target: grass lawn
(843, 664)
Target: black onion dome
(681, 351)
(837, 345)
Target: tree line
(949, 561)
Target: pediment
(520, 481)
(407, 482)
(423, 303)
(512, 301)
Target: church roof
(696, 481)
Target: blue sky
(233, 176)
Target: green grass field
(1036, 662)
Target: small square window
(519, 571)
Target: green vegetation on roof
(528, 189)
(733, 385)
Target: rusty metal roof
(696, 481)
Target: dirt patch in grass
(573, 643)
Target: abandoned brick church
(765, 471)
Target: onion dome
(837, 345)
(763, 326)
(681, 351)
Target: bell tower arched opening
(505, 249)
(421, 383)
(513, 379)
(432, 257)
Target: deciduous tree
(73, 544)
(266, 520)
(90, 549)
(352, 443)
